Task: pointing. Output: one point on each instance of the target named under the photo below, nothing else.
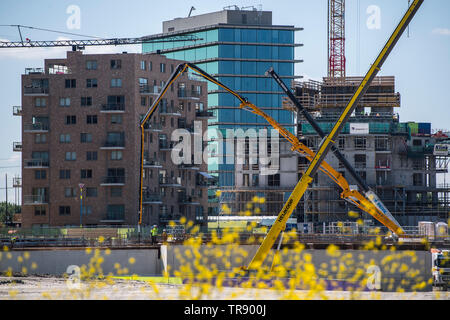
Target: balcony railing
(34, 199)
(166, 145)
(151, 163)
(34, 71)
(169, 181)
(153, 126)
(113, 180)
(36, 163)
(17, 110)
(114, 144)
(165, 109)
(35, 90)
(17, 146)
(204, 114)
(31, 127)
(111, 107)
(146, 89)
(188, 94)
(151, 197)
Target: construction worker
(154, 232)
(164, 236)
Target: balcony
(146, 89)
(204, 114)
(186, 94)
(185, 166)
(114, 217)
(152, 163)
(170, 181)
(113, 181)
(151, 198)
(153, 127)
(17, 110)
(382, 165)
(36, 163)
(17, 146)
(36, 127)
(35, 91)
(169, 112)
(185, 199)
(113, 108)
(34, 200)
(34, 71)
(166, 146)
(113, 145)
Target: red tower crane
(336, 38)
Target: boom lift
(329, 140)
(371, 195)
(352, 196)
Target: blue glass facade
(239, 57)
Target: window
(64, 174)
(87, 210)
(274, 180)
(143, 64)
(362, 174)
(360, 161)
(255, 180)
(91, 119)
(40, 138)
(71, 119)
(341, 143)
(91, 65)
(64, 138)
(70, 192)
(71, 156)
(150, 66)
(116, 83)
(91, 155)
(64, 102)
(115, 212)
(116, 155)
(40, 102)
(91, 83)
(71, 83)
(64, 210)
(246, 180)
(116, 119)
(40, 174)
(86, 173)
(116, 192)
(417, 179)
(360, 143)
(85, 137)
(39, 210)
(86, 101)
(116, 64)
(162, 67)
(91, 192)
(143, 101)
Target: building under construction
(399, 161)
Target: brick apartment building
(80, 124)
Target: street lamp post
(81, 185)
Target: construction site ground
(44, 288)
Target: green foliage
(12, 208)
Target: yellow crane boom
(328, 142)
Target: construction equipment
(80, 44)
(371, 195)
(353, 196)
(329, 140)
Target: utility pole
(6, 203)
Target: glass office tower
(237, 47)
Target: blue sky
(420, 63)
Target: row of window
(117, 64)
(114, 212)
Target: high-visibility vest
(154, 232)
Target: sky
(420, 62)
